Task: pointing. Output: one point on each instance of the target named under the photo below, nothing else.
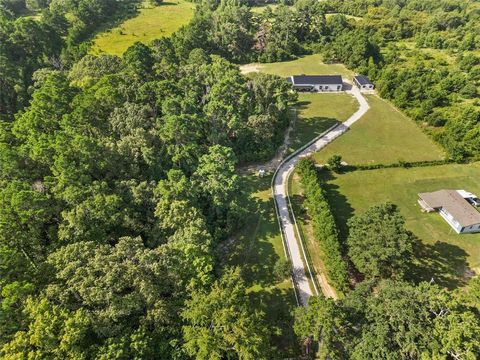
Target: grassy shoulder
(442, 254)
(383, 135)
(151, 23)
(256, 249)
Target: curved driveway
(280, 196)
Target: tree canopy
(378, 243)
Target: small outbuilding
(457, 211)
(320, 83)
(363, 82)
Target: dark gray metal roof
(316, 79)
(363, 80)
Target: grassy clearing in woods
(151, 23)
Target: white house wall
(456, 226)
(451, 221)
(471, 229)
(331, 87)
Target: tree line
(56, 39)
(324, 227)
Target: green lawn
(256, 249)
(151, 23)
(445, 255)
(316, 112)
(261, 8)
(308, 65)
(383, 135)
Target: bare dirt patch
(249, 68)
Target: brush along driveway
(280, 180)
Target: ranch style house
(316, 82)
(455, 206)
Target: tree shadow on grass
(260, 256)
(308, 128)
(445, 263)
(111, 23)
(279, 315)
(252, 247)
(341, 208)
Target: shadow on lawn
(260, 256)
(252, 248)
(307, 128)
(341, 208)
(279, 316)
(445, 263)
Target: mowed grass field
(316, 112)
(151, 23)
(382, 136)
(308, 65)
(444, 255)
(256, 249)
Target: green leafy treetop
(220, 323)
(378, 243)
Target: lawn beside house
(383, 136)
(446, 256)
(316, 112)
(151, 23)
(308, 65)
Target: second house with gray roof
(316, 82)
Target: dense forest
(117, 182)
(118, 177)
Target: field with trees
(448, 257)
(382, 136)
(152, 22)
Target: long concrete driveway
(300, 279)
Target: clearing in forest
(151, 23)
(383, 136)
(314, 112)
(442, 254)
(308, 65)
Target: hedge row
(324, 227)
(400, 164)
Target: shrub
(282, 269)
(324, 226)
(334, 163)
